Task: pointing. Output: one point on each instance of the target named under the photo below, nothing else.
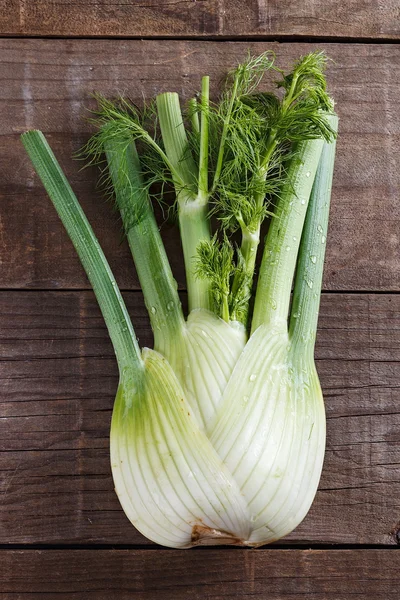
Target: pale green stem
(194, 115)
(92, 258)
(192, 206)
(175, 140)
(203, 160)
(282, 242)
(225, 308)
(310, 265)
(194, 228)
(152, 265)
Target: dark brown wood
(47, 85)
(216, 18)
(211, 574)
(59, 377)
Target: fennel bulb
(217, 434)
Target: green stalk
(175, 139)
(308, 283)
(282, 242)
(194, 228)
(92, 258)
(194, 115)
(193, 204)
(203, 161)
(152, 265)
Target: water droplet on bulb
(287, 248)
(273, 304)
(253, 377)
(308, 174)
(245, 399)
(294, 238)
(303, 201)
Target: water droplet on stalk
(170, 305)
(313, 259)
(253, 377)
(153, 310)
(323, 239)
(308, 174)
(319, 228)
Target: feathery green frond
(247, 76)
(215, 263)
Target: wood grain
(47, 85)
(211, 574)
(208, 18)
(59, 378)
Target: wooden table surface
(63, 534)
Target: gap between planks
(141, 547)
(284, 39)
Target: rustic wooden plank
(212, 574)
(201, 18)
(59, 378)
(47, 84)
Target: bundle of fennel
(218, 434)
